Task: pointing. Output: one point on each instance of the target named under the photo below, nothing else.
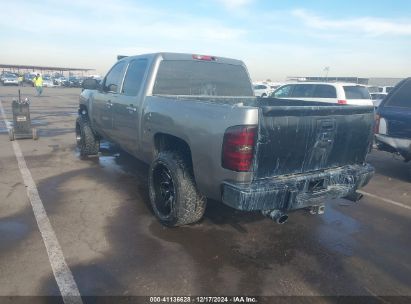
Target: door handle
(109, 104)
(131, 109)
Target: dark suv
(393, 125)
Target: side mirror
(89, 84)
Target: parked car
(377, 98)
(196, 121)
(28, 78)
(10, 79)
(72, 82)
(380, 89)
(6, 75)
(59, 80)
(262, 90)
(341, 93)
(393, 124)
(48, 82)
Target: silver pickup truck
(196, 121)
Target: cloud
(367, 25)
(78, 31)
(152, 24)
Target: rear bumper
(400, 145)
(297, 191)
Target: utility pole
(326, 69)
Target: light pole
(326, 69)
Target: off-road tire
(189, 204)
(87, 142)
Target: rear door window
(303, 90)
(134, 77)
(356, 92)
(325, 91)
(401, 97)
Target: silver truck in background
(196, 121)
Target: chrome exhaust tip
(320, 209)
(276, 215)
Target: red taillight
(238, 148)
(377, 124)
(342, 102)
(204, 57)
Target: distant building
(380, 81)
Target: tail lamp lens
(377, 124)
(238, 148)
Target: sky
(275, 39)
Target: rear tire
(174, 196)
(87, 141)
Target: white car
(10, 80)
(262, 90)
(59, 81)
(336, 92)
(48, 82)
(380, 89)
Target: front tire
(87, 141)
(174, 196)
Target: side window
(303, 90)
(325, 91)
(283, 91)
(388, 89)
(134, 77)
(113, 79)
(401, 97)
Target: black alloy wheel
(164, 190)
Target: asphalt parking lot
(113, 245)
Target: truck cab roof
(185, 56)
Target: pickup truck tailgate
(295, 139)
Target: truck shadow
(216, 212)
(228, 252)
